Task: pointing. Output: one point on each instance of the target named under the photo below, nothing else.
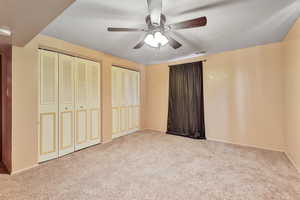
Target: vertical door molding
(6, 106)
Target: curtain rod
(189, 62)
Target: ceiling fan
(156, 34)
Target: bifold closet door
(48, 106)
(81, 104)
(66, 104)
(87, 103)
(133, 100)
(125, 101)
(117, 95)
(94, 115)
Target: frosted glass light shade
(161, 39)
(151, 41)
(156, 40)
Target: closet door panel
(81, 128)
(134, 88)
(138, 96)
(66, 104)
(116, 120)
(81, 104)
(66, 133)
(48, 106)
(94, 84)
(117, 99)
(48, 134)
(130, 118)
(81, 83)
(136, 117)
(95, 125)
(94, 102)
(125, 101)
(126, 88)
(132, 95)
(136, 107)
(117, 87)
(123, 119)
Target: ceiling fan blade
(125, 29)
(155, 10)
(139, 45)
(174, 43)
(201, 21)
(211, 5)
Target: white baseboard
(258, 147)
(228, 142)
(22, 170)
(245, 145)
(124, 133)
(289, 156)
(154, 130)
(105, 142)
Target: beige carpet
(146, 166)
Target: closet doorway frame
(6, 106)
(75, 55)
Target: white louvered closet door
(116, 98)
(132, 92)
(94, 114)
(48, 106)
(66, 104)
(69, 104)
(125, 101)
(81, 104)
(137, 103)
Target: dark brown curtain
(186, 106)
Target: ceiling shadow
(212, 5)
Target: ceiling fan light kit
(157, 33)
(156, 40)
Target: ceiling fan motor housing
(154, 26)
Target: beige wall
(243, 93)
(25, 94)
(291, 60)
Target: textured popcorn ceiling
(232, 24)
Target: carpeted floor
(146, 166)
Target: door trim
(6, 112)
